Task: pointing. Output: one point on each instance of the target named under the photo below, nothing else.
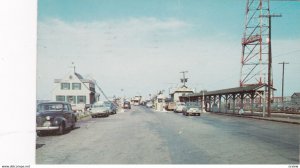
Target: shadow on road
(37, 146)
(53, 133)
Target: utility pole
(183, 80)
(282, 86)
(269, 16)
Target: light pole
(203, 98)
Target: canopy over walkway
(234, 98)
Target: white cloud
(139, 55)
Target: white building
(76, 90)
(182, 91)
(160, 102)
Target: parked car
(180, 107)
(192, 110)
(149, 104)
(99, 109)
(126, 105)
(54, 116)
(112, 108)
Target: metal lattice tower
(255, 43)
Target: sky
(139, 47)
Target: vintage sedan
(192, 109)
(112, 108)
(99, 109)
(126, 105)
(180, 107)
(54, 116)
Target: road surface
(143, 136)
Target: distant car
(99, 109)
(126, 105)
(54, 116)
(180, 107)
(136, 103)
(149, 104)
(171, 106)
(112, 108)
(192, 110)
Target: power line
(287, 53)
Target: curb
(269, 119)
(258, 118)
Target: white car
(149, 105)
(180, 108)
(192, 110)
(98, 110)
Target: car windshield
(98, 105)
(50, 107)
(192, 105)
(107, 104)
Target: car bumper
(193, 113)
(47, 128)
(99, 114)
(178, 111)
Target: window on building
(81, 99)
(60, 98)
(65, 86)
(76, 86)
(71, 99)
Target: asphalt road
(142, 136)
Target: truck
(137, 100)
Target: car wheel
(61, 129)
(73, 125)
